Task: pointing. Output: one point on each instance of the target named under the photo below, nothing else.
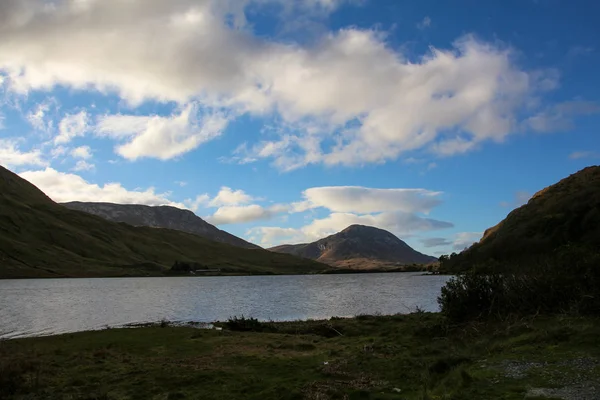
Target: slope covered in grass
(566, 213)
(39, 238)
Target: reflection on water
(49, 306)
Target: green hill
(39, 238)
(566, 213)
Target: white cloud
(83, 165)
(71, 126)
(58, 151)
(399, 223)
(577, 155)
(269, 236)
(64, 187)
(83, 152)
(364, 200)
(560, 117)
(12, 156)
(348, 204)
(195, 204)
(161, 137)
(395, 210)
(240, 214)
(463, 240)
(229, 197)
(372, 102)
(40, 118)
(425, 23)
(181, 183)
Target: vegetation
(567, 212)
(565, 281)
(417, 356)
(39, 238)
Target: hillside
(39, 238)
(159, 217)
(358, 247)
(567, 212)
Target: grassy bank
(416, 356)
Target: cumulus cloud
(396, 210)
(373, 103)
(40, 117)
(161, 137)
(230, 197)
(64, 187)
(240, 214)
(83, 165)
(368, 200)
(83, 152)
(269, 236)
(71, 126)
(12, 156)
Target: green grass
(39, 239)
(362, 358)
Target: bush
(244, 324)
(567, 281)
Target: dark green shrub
(566, 281)
(244, 324)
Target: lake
(36, 307)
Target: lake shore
(415, 356)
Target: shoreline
(328, 272)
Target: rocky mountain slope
(358, 247)
(567, 212)
(159, 217)
(39, 238)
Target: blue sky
(285, 121)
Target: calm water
(49, 306)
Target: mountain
(358, 247)
(567, 212)
(40, 238)
(159, 217)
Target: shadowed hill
(39, 238)
(359, 247)
(567, 212)
(159, 217)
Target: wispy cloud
(425, 23)
(578, 155)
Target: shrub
(566, 281)
(244, 324)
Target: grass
(417, 356)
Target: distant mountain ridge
(159, 217)
(567, 212)
(358, 247)
(41, 239)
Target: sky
(285, 121)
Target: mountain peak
(359, 247)
(159, 217)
